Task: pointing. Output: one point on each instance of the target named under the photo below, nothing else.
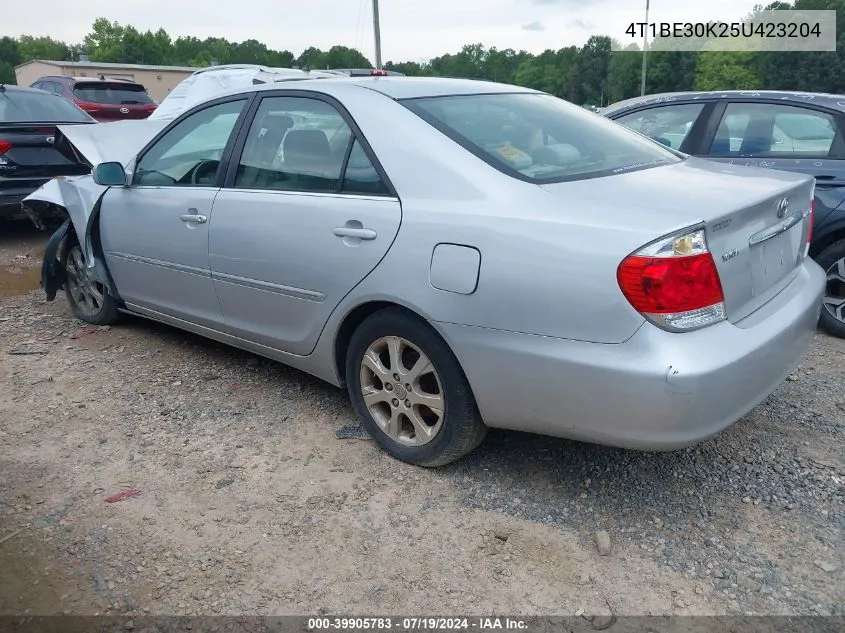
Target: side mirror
(110, 175)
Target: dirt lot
(250, 503)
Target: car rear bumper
(656, 391)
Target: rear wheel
(89, 299)
(410, 392)
(832, 259)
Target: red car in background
(104, 99)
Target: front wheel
(410, 392)
(89, 299)
(832, 260)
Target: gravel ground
(250, 503)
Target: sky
(412, 30)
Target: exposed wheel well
(351, 323)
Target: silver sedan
(458, 254)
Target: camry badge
(783, 207)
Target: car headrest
(306, 149)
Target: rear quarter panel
(548, 266)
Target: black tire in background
(461, 429)
(832, 259)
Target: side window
(774, 130)
(361, 175)
(189, 153)
(668, 124)
(299, 144)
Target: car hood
(115, 141)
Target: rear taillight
(89, 107)
(812, 217)
(674, 283)
(5, 146)
(378, 73)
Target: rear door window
(774, 130)
(112, 93)
(669, 125)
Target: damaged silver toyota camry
(458, 254)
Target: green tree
(727, 70)
(42, 48)
(623, 74)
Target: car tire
(832, 260)
(429, 417)
(89, 299)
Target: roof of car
(403, 87)
(834, 101)
(14, 88)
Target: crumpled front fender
(81, 197)
(52, 275)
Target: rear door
(306, 213)
(790, 136)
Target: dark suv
(104, 99)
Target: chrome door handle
(361, 234)
(193, 217)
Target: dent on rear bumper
(656, 391)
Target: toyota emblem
(783, 207)
(124, 110)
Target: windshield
(540, 138)
(22, 106)
(113, 94)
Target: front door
(155, 231)
(305, 216)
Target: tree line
(588, 74)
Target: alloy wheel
(87, 292)
(834, 296)
(402, 391)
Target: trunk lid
(757, 250)
(29, 151)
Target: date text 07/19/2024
(415, 624)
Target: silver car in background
(460, 255)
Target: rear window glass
(114, 94)
(540, 138)
(17, 106)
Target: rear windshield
(19, 106)
(540, 138)
(113, 94)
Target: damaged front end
(78, 198)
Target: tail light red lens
(379, 73)
(812, 217)
(5, 146)
(674, 283)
